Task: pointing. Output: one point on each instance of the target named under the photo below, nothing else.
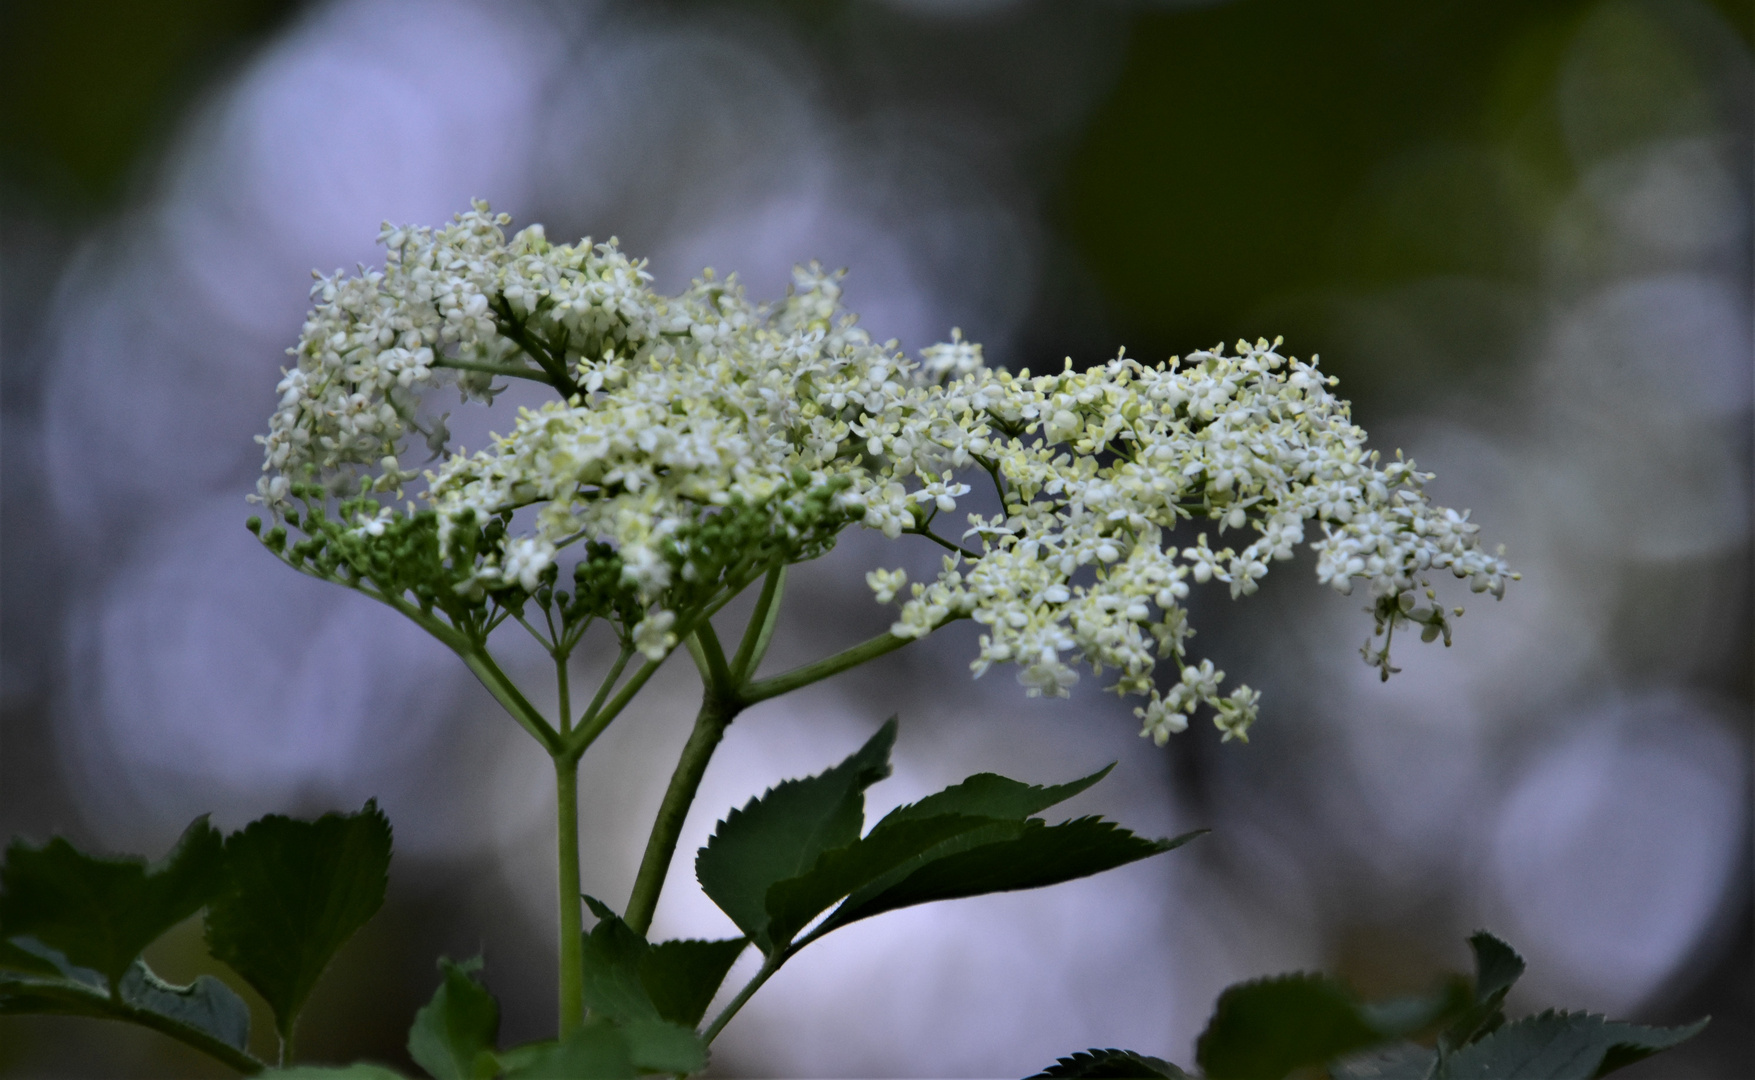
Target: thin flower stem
(921, 530)
(717, 671)
(608, 684)
(761, 626)
(590, 728)
(769, 967)
(507, 370)
(822, 669)
(563, 691)
(572, 951)
(500, 685)
(710, 723)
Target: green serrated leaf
(205, 1004)
(1497, 965)
(1559, 1046)
(682, 976)
(38, 959)
(1401, 1061)
(1404, 1016)
(597, 1051)
(886, 855)
(782, 833)
(15, 956)
(1111, 1064)
(627, 979)
(1039, 855)
(613, 954)
(30, 994)
(992, 795)
(297, 891)
(100, 913)
(1497, 969)
(454, 1034)
(1262, 1030)
(660, 1046)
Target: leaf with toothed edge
(782, 833)
(453, 1034)
(98, 912)
(297, 891)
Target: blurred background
(1519, 232)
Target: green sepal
(1111, 1064)
(1560, 1046)
(782, 833)
(100, 913)
(297, 891)
(1039, 855)
(454, 1034)
(628, 979)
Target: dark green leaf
(1497, 965)
(1264, 1029)
(613, 954)
(1401, 1061)
(596, 1051)
(38, 959)
(992, 795)
(889, 853)
(682, 976)
(1634, 1042)
(101, 912)
(781, 834)
(661, 1046)
(16, 956)
(1497, 968)
(297, 891)
(1405, 1016)
(1111, 1065)
(1559, 1046)
(627, 979)
(26, 994)
(1039, 855)
(206, 1004)
(454, 1034)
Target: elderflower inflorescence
(699, 440)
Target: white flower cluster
(676, 409)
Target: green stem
(591, 727)
(710, 656)
(769, 967)
(507, 370)
(608, 684)
(572, 952)
(500, 685)
(761, 627)
(710, 723)
(822, 669)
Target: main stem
(710, 723)
(572, 990)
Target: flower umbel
(698, 441)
